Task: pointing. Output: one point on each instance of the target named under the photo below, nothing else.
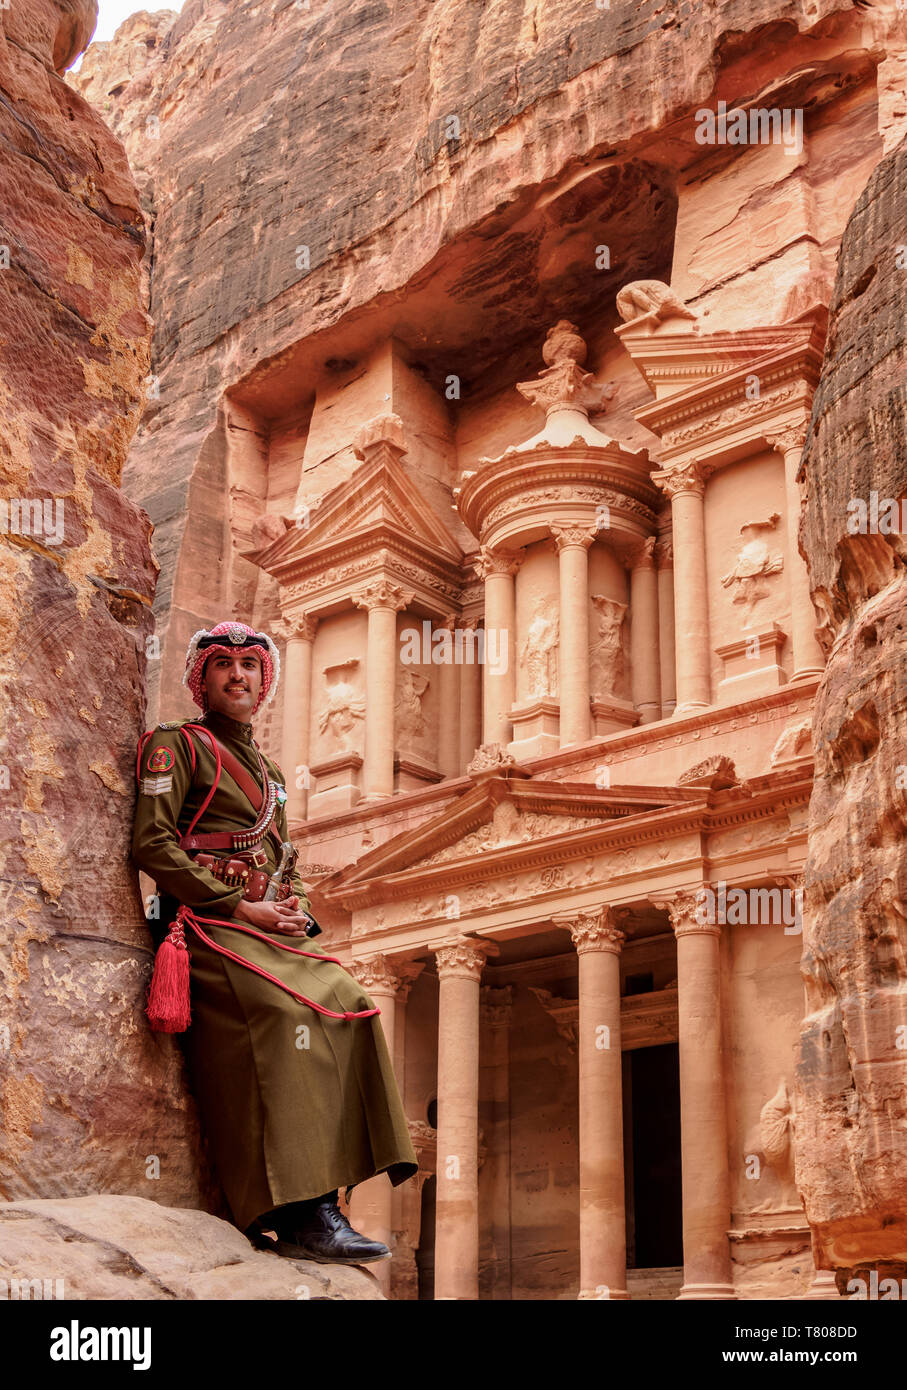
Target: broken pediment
(677, 362)
(379, 500)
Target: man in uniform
(288, 1058)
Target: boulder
(103, 1247)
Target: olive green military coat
(294, 1104)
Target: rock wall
(852, 1077)
(87, 1094)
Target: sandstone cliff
(88, 1097)
(851, 1150)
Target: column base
(706, 1293)
(809, 673)
(691, 707)
(603, 1292)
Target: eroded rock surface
(104, 1247)
(87, 1094)
(852, 1101)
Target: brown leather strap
(250, 789)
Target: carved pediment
(508, 826)
(497, 815)
(379, 498)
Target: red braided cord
(187, 917)
(207, 801)
(191, 746)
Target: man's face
(232, 684)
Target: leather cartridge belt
(244, 870)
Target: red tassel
(168, 996)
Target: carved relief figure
(608, 664)
(538, 656)
(344, 705)
(410, 720)
(753, 565)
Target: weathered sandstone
(850, 1122)
(87, 1095)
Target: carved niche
(607, 655)
(752, 567)
(410, 723)
(343, 708)
(539, 652)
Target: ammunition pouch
(245, 869)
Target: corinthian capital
(641, 556)
(301, 627)
(794, 437)
(462, 959)
(383, 594)
(578, 536)
(498, 561)
(689, 913)
(690, 478)
(376, 972)
(592, 929)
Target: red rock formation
(852, 1102)
(87, 1094)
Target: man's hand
(286, 917)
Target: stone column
(449, 708)
(602, 1215)
(383, 602)
(296, 678)
(703, 1116)
(470, 695)
(573, 544)
(686, 489)
(645, 660)
(807, 654)
(496, 1009)
(497, 568)
(371, 1203)
(664, 559)
(460, 966)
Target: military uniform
(294, 1104)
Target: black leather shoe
(327, 1236)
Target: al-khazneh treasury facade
(527, 730)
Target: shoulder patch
(161, 760)
(172, 724)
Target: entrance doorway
(655, 1232)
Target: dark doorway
(657, 1210)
